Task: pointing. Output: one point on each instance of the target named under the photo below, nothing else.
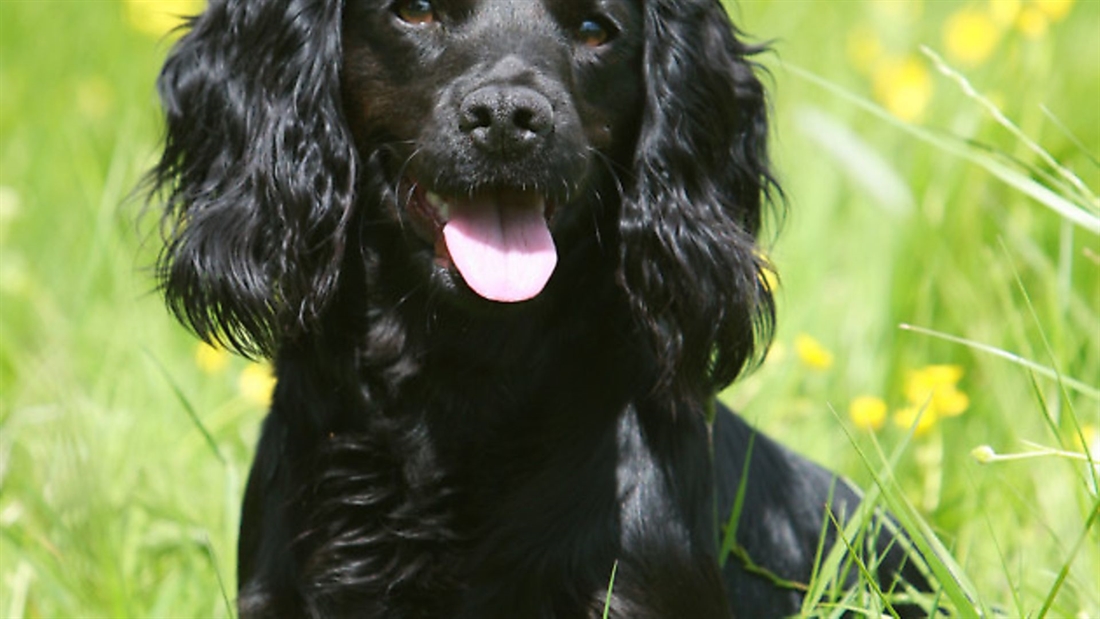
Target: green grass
(121, 460)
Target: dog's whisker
(612, 171)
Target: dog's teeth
(437, 202)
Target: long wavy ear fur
(258, 170)
(701, 176)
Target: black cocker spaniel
(503, 254)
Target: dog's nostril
(508, 119)
(478, 117)
(527, 120)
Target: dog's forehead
(458, 17)
(559, 18)
(518, 11)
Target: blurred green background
(124, 444)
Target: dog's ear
(258, 170)
(701, 177)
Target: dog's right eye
(415, 12)
(595, 31)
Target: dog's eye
(415, 12)
(595, 31)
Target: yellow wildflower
(257, 384)
(1091, 439)
(970, 36)
(211, 359)
(159, 17)
(942, 373)
(1032, 22)
(1004, 12)
(868, 412)
(906, 417)
(1056, 10)
(904, 87)
(812, 353)
(932, 393)
(935, 386)
(768, 276)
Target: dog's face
(498, 122)
(323, 155)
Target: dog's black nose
(506, 120)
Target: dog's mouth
(498, 239)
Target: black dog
(503, 252)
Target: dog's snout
(506, 119)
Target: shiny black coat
(430, 453)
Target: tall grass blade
(1076, 385)
(819, 552)
(1052, 424)
(868, 577)
(938, 559)
(995, 112)
(1070, 135)
(1013, 588)
(610, 588)
(212, 556)
(1062, 379)
(189, 409)
(1036, 191)
(1076, 213)
(1064, 572)
(859, 160)
(730, 538)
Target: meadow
(937, 263)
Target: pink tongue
(501, 245)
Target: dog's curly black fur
(433, 453)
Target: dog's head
(491, 118)
(491, 138)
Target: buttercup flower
(1033, 19)
(904, 87)
(256, 384)
(935, 386)
(906, 417)
(932, 393)
(1056, 10)
(767, 273)
(210, 359)
(1004, 12)
(868, 412)
(1091, 435)
(159, 17)
(1032, 22)
(812, 353)
(970, 36)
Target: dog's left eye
(595, 31)
(415, 12)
